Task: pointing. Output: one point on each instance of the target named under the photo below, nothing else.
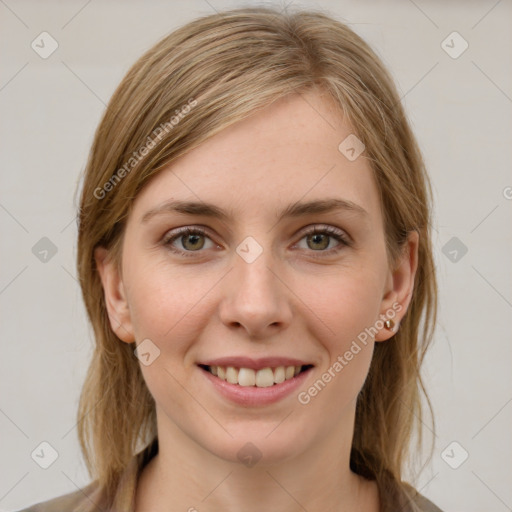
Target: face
(259, 283)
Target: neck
(185, 476)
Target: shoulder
(425, 505)
(422, 503)
(92, 497)
(83, 500)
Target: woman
(254, 254)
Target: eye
(192, 240)
(319, 238)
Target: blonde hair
(228, 65)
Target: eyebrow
(292, 211)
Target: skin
(294, 300)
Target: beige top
(89, 498)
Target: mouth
(261, 378)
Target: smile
(255, 387)
(263, 378)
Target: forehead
(284, 153)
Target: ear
(399, 287)
(115, 298)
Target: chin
(259, 446)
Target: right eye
(190, 240)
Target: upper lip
(255, 364)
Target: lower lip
(252, 395)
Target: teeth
(263, 378)
(231, 375)
(246, 377)
(279, 375)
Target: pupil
(194, 238)
(315, 239)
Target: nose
(256, 297)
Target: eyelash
(338, 235)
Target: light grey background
(460, 109)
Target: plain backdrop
(459, 102)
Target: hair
(201, 78)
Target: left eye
(321, 237)
(192, 240)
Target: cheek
(344, 310)
(167, 309)
(348, 352)
(166, 305)
(341, 305)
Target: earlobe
(115, 297)
(399, 288)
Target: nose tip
(254, 297)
